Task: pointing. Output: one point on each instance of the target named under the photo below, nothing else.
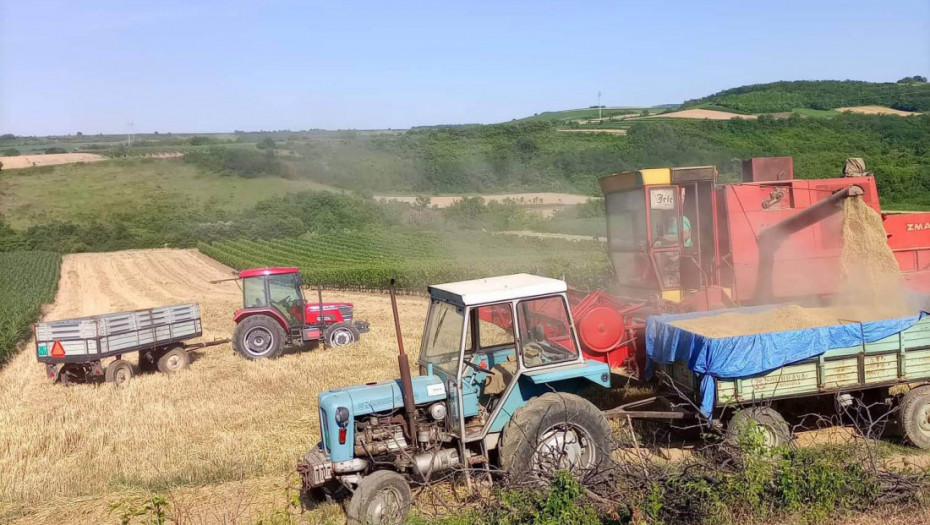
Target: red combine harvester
(274, 314)
(679, 241)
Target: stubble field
(219, 440)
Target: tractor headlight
(342, 416)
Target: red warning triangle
(58, 350)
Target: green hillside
(819, 95)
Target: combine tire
(340, 334)
(118, 372)
(382, 497)
(915, 417)
(173, 360)
(258, 337)
(773, 429)
(555, 431)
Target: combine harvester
(511, 400)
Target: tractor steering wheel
(477, 368)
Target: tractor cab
(487, 339)
(661, 231)
(500, 366)
(277, 289)
(274, 313)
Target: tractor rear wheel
(555, 431)
(258, 337)
(914, 416)
(118, 372)
(340, 334)
(173, 360)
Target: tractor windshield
(443, 337)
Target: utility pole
(598, 104)
(129, 136)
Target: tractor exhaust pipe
(406, 384)
(770, 239)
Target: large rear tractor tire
(118, 372)
(258, 337)
(758, 425)
(174, 360)
(914, 416)
(381, 498)
(340, 334)
(555, 431)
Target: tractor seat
(496, 383)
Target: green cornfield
(369, 260)
(27, 281)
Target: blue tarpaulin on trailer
(751, 355)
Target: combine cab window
(545, 332)
(253, 290)
(626, 227)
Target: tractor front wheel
(382, 497)
(258, 337)
(340, 334)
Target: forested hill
(908, 94)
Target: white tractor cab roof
(496, 289)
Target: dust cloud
(871, 287)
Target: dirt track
(29, 161)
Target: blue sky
(188, 66)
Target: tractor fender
(271, 312)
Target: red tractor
(274, 313)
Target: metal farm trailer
(73, 349)
(751, 376)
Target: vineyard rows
(28, 280)
(368, 260)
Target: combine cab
(274, 313)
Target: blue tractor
(500, 367)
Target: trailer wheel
(382, 497)
(555, 431)
(173, 361)
(340, 334)
(258, 337)
(118, 372)
(915, 417)
(771, 426)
